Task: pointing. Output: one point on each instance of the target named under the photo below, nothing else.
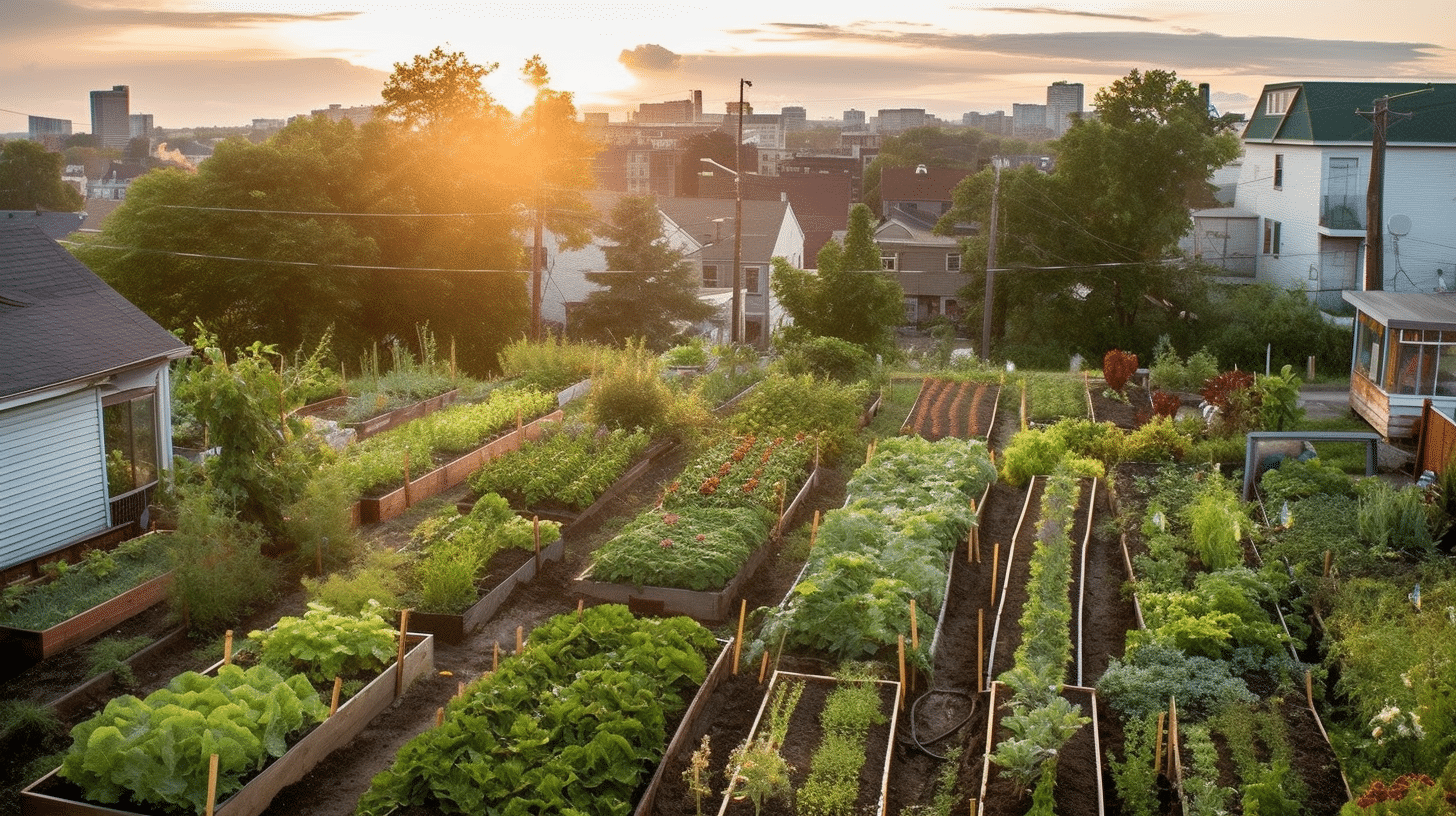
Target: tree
(1093, 239)
(437, 88)
(650, 289)
(962, 148)
(849, 297)
(30, 178)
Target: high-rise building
(1028, 120)
(895, 120)
(1063, 99)
(111, 117)
(50, 132)
(854, 118)
(795, 118)
(141, 124)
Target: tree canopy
(650, 289)
(373, 230)
(30, 178)
(1087, 248)
(848, 297)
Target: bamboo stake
(211, 784)
(738, 641)
(399, 660)
(439, 716)
(227, 648)
(901, 639)
(980, 648)
(520, 638)
(338, 688)
(495, 657)
(995, 565)
(763, 667)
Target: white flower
(1405, 678)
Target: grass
(1347, 456)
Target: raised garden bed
(365, 428)
(804, 735)
(1078, 788)
(371, 510)
(698, 604)
(453, 629)
(52, 796)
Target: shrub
(1117, 367)
(1160, 440)
(375, 578)
(554, 363)
(1166, 404)
(828, 357)
(631, 395)
(220, 571)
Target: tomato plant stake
(980, 648)
(536, 539)
(439, 716)
(580, 607)
(914, 636)
(334, 702)
(227, 648)
(495, 657)
(211, 783)
(399, 658)
(1158, 752)
(520, 638)
(901, 648)
(738, 641)
(763, 667)
(1329, 561)
(995, 564)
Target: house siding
(52, 476)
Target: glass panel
(131, 444)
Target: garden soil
(943, 712)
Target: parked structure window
(710, 276)
(1276, 103)
(1278, 171)
(888, 263)
(129, 423)
(952, 262)
(1271, 237)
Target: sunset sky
(227, 62)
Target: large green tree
(848, 297)
(30, 178)
(1087, 248)
(649, 290)
(961, 148)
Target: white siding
(52, 478)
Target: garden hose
(915, 707)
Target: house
(1405, 354)
(85, 395)
(1298, 216)
(112, 184)
(926, 265)
(821, 201)
(923, 189)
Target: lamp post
(737, 334)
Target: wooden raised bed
(1078, 786)
(688, 729)
(365, 428)
(453, 629)
(803, 739)
(52, 796)
(446, 476)
(33, 645)
(703, 605)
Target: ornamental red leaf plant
(1165, 404)
(1118, 366)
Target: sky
(193, 63)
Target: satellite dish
(1399, 225)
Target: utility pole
(1375, 193)
(737, 332)
(990, 296)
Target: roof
(1407, 310)
(59, 323)
(55, 225)
(821, 201)
(1323, 112)
(909, 184)
(710, 220)
(904, 227)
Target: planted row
(570, 466)
(573, 723)
(890, 544)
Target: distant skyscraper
(1028, 120)
(894, 120)
(1062, 100)
(141, 124)
(111, 117)
(795, 118)
(49, 132)
(854, 118)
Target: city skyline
(224, 63)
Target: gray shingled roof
(60, 323)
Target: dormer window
(1276, 103)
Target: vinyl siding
(52, 478)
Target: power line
(308, 264)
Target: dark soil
(964, 410)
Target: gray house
(85, 396)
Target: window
(888, 262)
(1278, 171)
(1276, 103)
(1369, 340)
(710, 276)
(130, 428)
(952, 262)
(1271, 237)
(750, 279)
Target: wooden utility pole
(1375, 193)
(736, 334)
(990, 296)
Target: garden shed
(85, 396)
(1405, 354)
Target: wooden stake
(399, 659)
(1309, 688)
(814, 530)
(980, 648)
(227, 648)
(914, 637)
(518, 420)
(211, 784)
(738, 641)
(763, 667)
(460, 689)
(995, 565)
(439, 716)
(1329, 562)
(580, 608)
(338, 688)
(495, 657)
(407, 500)
(1158, 753)
(1174, 766)
(973, 807)
(520, 638)
(536, 535)
(901, 640)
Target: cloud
(649, 57)
(1062, 12)
(80, 19)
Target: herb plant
(323, 644)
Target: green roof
(1325, 112)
